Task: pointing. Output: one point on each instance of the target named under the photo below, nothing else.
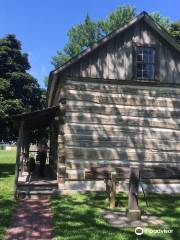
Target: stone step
(36, 184)
(121, 154)
(36, 187)
(22, 194)
(132, 111)
(121, 89)
(89, 118)
(122, 99)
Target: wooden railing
(135, 175)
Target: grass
(78, 217)
(7, 203)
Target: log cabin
(116, 104)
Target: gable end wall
(114, 60)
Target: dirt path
(32, 220)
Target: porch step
(40, 194)
(37, 188)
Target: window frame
(156, 62)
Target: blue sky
(42, 25)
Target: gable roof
(144, 15)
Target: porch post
(25, 147)
(61, 168)
(18, 154)
(133, 212)
(26, 142)
(113, 190)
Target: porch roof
(37, 119)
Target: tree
(88, 32)
(46, 78)
(118, 18)
(19, 91)
(175, 30)
(80, 37)
(163, 21)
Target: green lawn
(7, 203)
(78, 217)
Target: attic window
(145, 59)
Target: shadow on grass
(166, 207)
(79, 217)
(7, 169)
(7, 205)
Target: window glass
(145, 62)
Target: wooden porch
(27, 182)
(30, 184)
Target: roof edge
(99, 43)
(102, 41)
(26, 114)
(143, 15)
(164, 34)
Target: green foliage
(80, 37)
(19, 91)
(59, 59)
(175, 30)
(12, 60)
(88, 32)
(7, 202)
(118, 18)
(163, 21)
(46, 80)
